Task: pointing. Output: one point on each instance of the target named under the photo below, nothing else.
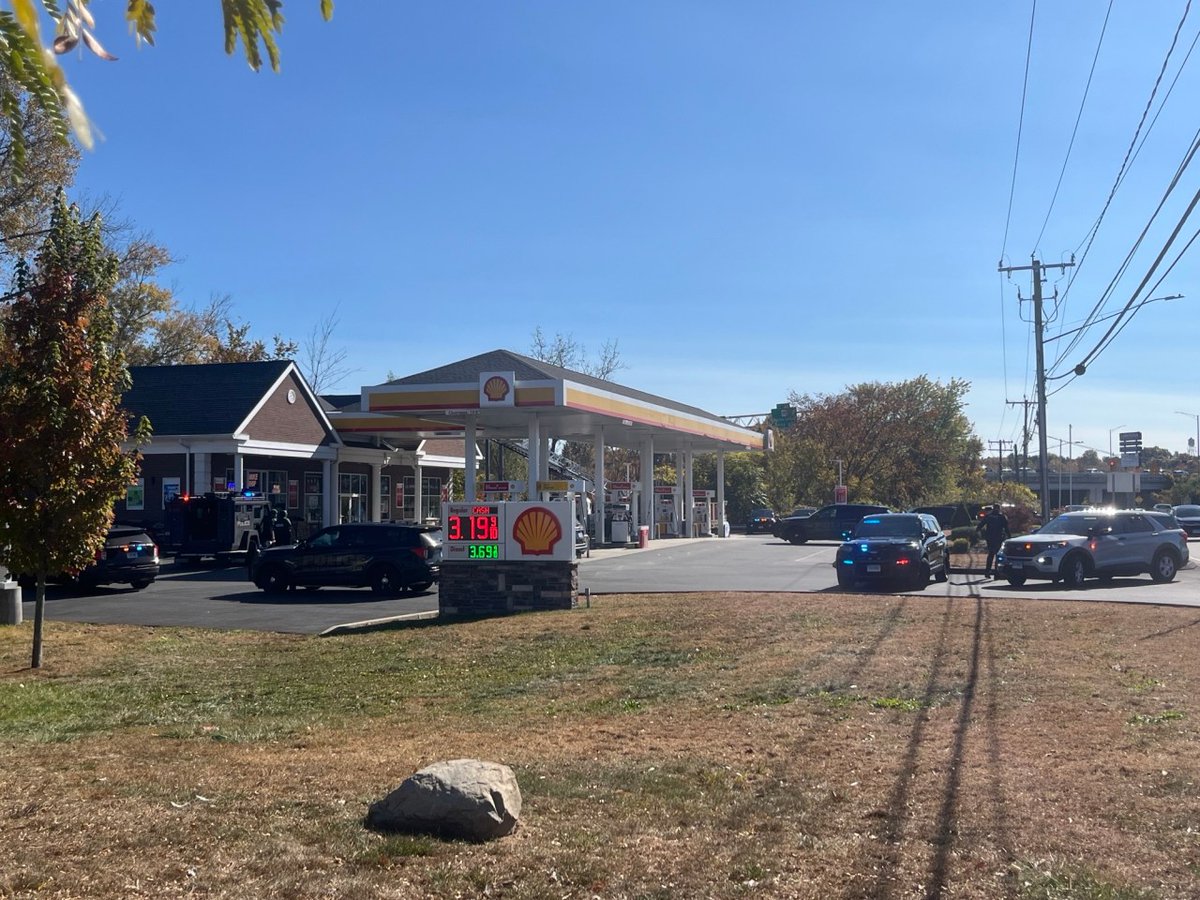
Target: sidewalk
(608, 551)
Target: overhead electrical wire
(1012, 188)
(1091, 235)
(1078, 117)
(1104, 296)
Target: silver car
(1188, 515)
(1094, 544)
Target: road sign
(784, 415)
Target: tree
(744, 481)
(324, 367)
(28, 61)
(27, 193)
(567, 353)
(174, 336)
(62, 466)
(900, 443)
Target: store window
(385, 497)
(354, 498)
(431, 498)
(314, 499)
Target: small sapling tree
(62, 466)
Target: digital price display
(473, 531)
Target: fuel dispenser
(668, 503)
(621, 511)
(575, 492)
(704, 513)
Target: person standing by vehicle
(266, 528)
(283, 529)
(994, 528)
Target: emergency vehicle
(217, 525)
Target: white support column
(720, 493)
(647, 482)
(689, 501)
(373, 487)
(598, 480)
(469, 457)
(534, 454)
(418, 493)
(239, 470)
(544, 467)
(203, 473)
(329, 512)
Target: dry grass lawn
(725, 745)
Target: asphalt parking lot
(222, 597)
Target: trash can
(643, 536)
(10, 603)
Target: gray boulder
(460, 798)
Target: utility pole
(1026, 403)
(1000, 457)
(1036, 268)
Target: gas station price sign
(473, 531)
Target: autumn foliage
(62, 462)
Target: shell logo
(496, 388)
(537, 530)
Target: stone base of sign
(10, 603)
(478, 590)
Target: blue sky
(752, 198)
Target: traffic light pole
(1036, 268)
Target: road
(223, 598)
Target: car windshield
(880, 526)
(1075, 524)
(1187, 511)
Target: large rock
(459, 798)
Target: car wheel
(943, 574)
(845, 579)
(798, 537)
(1164, 567)
(274, 580)
(141, 583)
(1016, 580)
(1074, 571)
(386, 581)
(921, 581)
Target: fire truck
(222, 526)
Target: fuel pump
(704, 513)
(574, 492)
(621, 511)
(668, 498)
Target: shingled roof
(524, 368)
(213, 398)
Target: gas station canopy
(498, 393)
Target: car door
(314, 560)
(821, 525)
(935, 542)
(1138, 539)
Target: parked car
(760, 519)
(797, 513)
(902, 549)
(387, 557)
(1188, 515)
(129, 556)
(1094, 544)
(829, 523)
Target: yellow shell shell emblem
(496, 388)
(537, 530)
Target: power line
(1091, 236)
(1012, 188)
(1082, 103)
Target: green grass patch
(1040, 882)
(1168, 715)
(908, 704)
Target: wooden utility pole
(1036, 268)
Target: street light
(1197, 418)
(1110, 434)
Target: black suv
(760, 519)
(903, 549)
(129, 556)
(388, 557)
(829, 523)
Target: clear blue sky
(753, 198)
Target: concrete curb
(374, 624)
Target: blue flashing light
(862, 548)
(871, 521)
(847, 562)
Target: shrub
(960, 545)
(966, 534)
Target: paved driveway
(223, 598)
